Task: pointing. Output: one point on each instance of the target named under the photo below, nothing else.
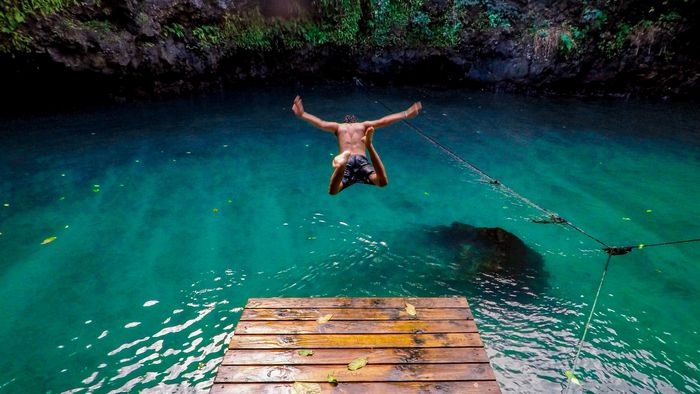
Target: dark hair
(350, 119)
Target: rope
(588, 322)
(641, 246)
(491, 180)
(552, 218)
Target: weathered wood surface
(352, 341)
(355, 327)
(370, 373)
(489, 386)
(356, 314)
(436, 350)
(346, 303)
(340, 356)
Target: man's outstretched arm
(411, 112)
(298, 109)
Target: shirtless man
(351, 165)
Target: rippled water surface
(169, 215)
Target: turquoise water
(144, 281)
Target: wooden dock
(283, 345)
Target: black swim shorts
(357, 170)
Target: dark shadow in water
(493, 251)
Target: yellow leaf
(324, 318)
(331, 379)
(48, 240)
(306, 388)
(305, 352)
(410, 309)
(357, 363)
(572, 377)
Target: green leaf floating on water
(306, 352)
(48, 240)
(357, 363)
(572, 377)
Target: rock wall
(126, 48)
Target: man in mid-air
(351, 165)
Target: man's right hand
(298, 107)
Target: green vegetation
(99, 25)
(174, 30)
(361, 25)
(15, 12)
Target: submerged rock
(491, 250)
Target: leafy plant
(496, 20)
(594, 17)
(104, 26)
(208, 36)
(175, 30)
(567, 41)
(15, 12)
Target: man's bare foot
(367, 139)
(341, 159)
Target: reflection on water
(181, 355)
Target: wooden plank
(354, 341)
(346, 302)
(356, 314)
(487, 386)
(369, 373)
(355, 327)
(341, 356)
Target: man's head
(350, 119)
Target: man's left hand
(413, 110)
(297, 107)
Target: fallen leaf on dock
(410, 309)
(331, 379)
(48, 240)
(324, 318)
(306, 352)
(357, 363)
(306, 388)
